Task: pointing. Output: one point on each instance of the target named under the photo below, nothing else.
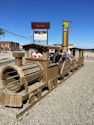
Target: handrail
(35, 59)
(53, 64)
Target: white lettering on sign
(65, 29)
(40, 35)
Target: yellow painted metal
(65, 38)
(66, 24)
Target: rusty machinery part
(14, 77)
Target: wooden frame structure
(33, 80)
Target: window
(5, 44)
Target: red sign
(40, 25)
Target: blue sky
(17, 15)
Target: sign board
(65, 40)
(40, 35)
(65, 33)
(65, 24)
(40, 25)
(65, 29)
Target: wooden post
(79, 53)
(46, 57)
(82, 53)
(18, 58)
(45, 66)
(27, 55)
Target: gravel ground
(71, 103)
(6, 55)
(89, 54)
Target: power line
(15, 34)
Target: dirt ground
(71, 103)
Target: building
(9, 46)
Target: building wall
(9, 46)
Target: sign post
(47, 36)
(65, 40)
(40, 35)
